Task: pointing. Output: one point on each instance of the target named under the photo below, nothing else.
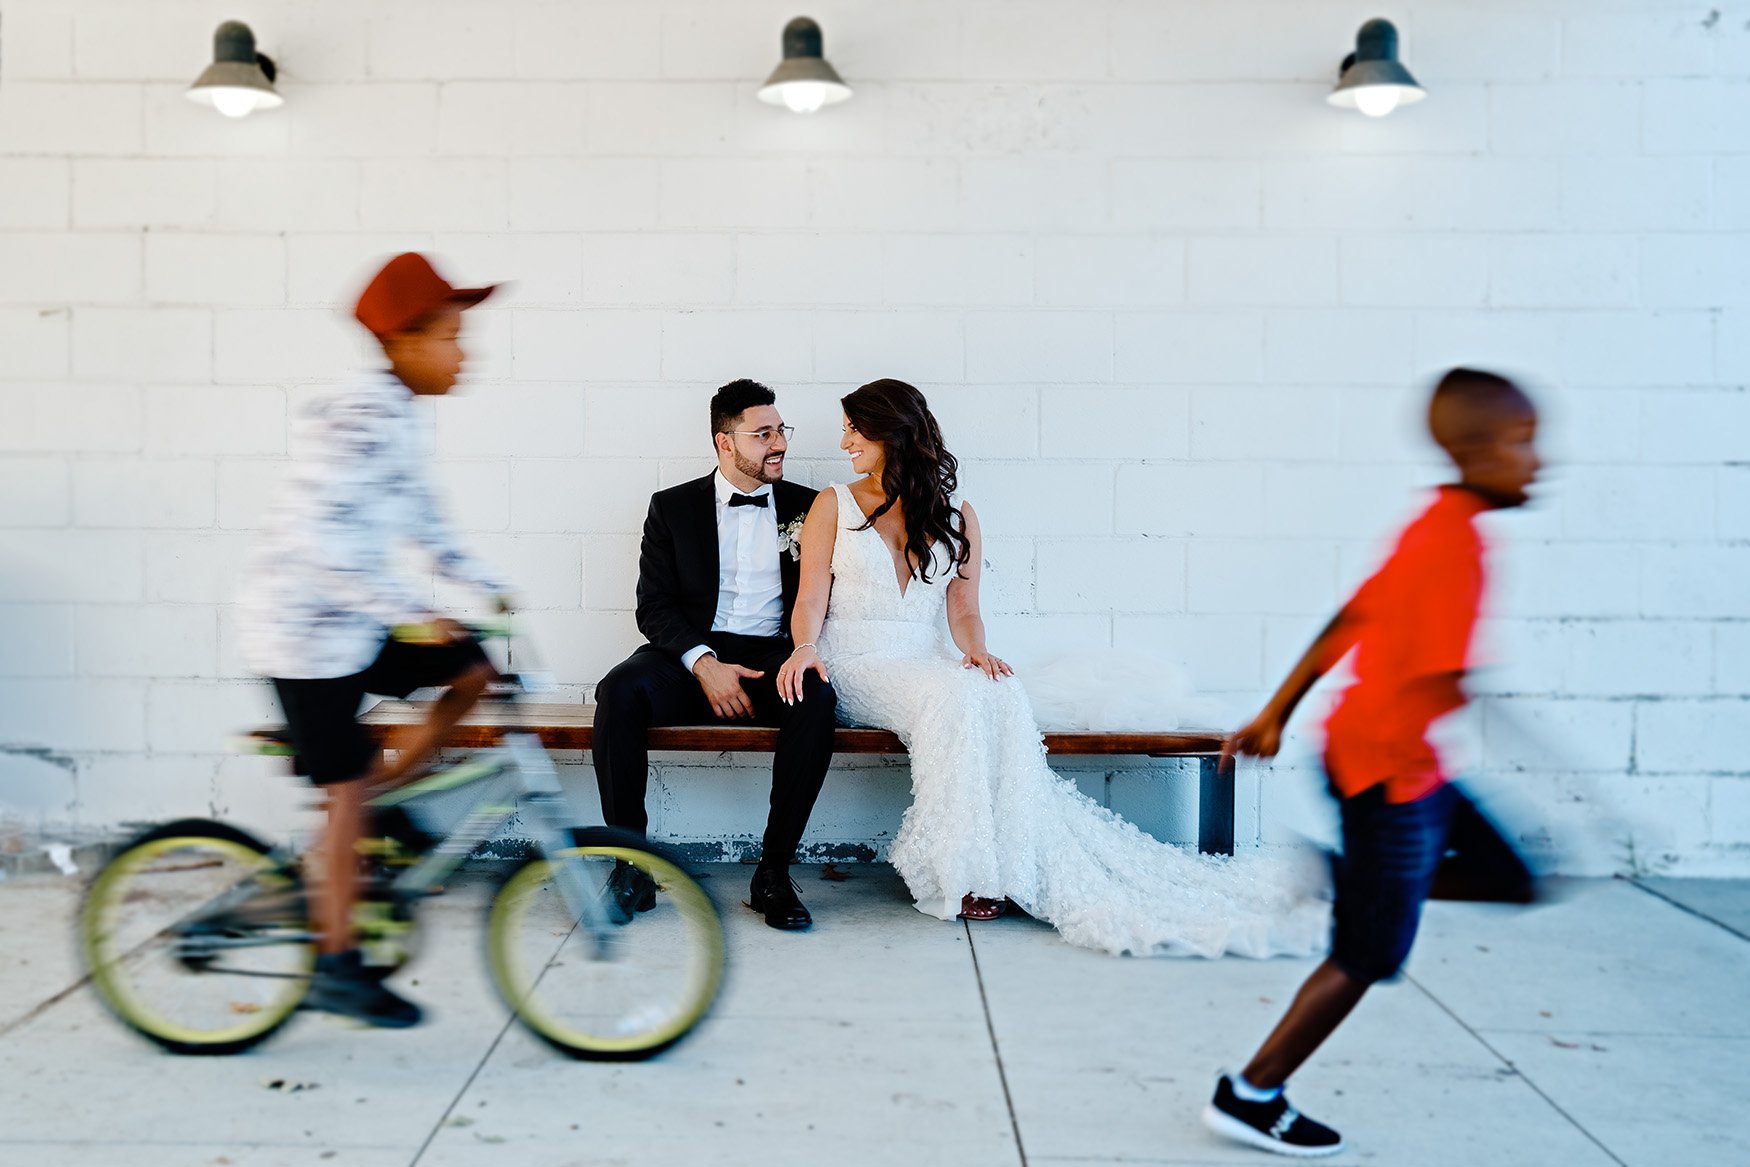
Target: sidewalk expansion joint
(995, 1047)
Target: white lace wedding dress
(990, 818)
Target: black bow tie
(748, 500)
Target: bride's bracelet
(800, 647)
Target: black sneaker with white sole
(1274, 1125)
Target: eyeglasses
(766, 435)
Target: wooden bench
(572, 727)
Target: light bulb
(234, 102)
(804, 96)
(1377, 100)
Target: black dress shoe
(773, 893)
(628, 890)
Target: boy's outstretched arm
(1262, 736)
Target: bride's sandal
(978, 908)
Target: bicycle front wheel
(588, 986)
(197, 939)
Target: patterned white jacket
(318, 594)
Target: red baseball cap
(406, 290)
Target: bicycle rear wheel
(592, 988)
(197, 939)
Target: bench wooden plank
(572, 727)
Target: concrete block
(1244, 424)
(178, 128)
(35, 343)
(330, 42)
(42, 640)
(39, 788)
(1346, 346)
(562, 41)
(1489, 193)
(1456, 125)
(72, 420)
(1731, 658)
(1657, 194)
(544, 571)
(1731, 503)
(148, 640)
(974, 271)
(38, 44)
(235, 420)
(1695, 582)
(1364, 503)
(998, 421)
(1636, 45)
(1651, 503)
(650, 420)
(1619, 658)
(440, 41)
(62, 118)
(1638, 348)
(1007, 581)
(283, 344)
(473, 495)
(720, 346)
(346, 121)
(258, 795)
(516, 119)
(584, 194)
(1693, 115)
(572, 496)
(1030, 41)
(1027, 641)
(114, 791)
(1038, 346)
(1554, 580)
(1186, 194)
(1031, 194)
(1217, 653)
(1129, 423)
(1691, 737)
(71, 716)
(1272, 578)
(1339, 193)
(215, 269)
(450, 195)
(886, 194)
(543, 271)
(936, 117)
(666, 269)
(610, 572)
(1110, 575)
(583, 646)
(1731, 188)
(809, 270)
(197, 716)
(246, 487)
(1524, 657)
(1511, 44)
(39, 191)
(1571, 271)
(72, 566)
(1180, 42)
(135, 492)
(1038, 498)
(672, 119)
(1569, 117)
(143, 344)
(500, 421)
(1197, 500)
(35, 492)
(1189, 348)
(1083, 271)
(740, 193)
(1729, 811)
(1560, 733)
(329, 271)
(916, 346)
(590, 345)
(195, 568)
(1398, 271)
(1512, 343)
(39, 269)
(1695, 271)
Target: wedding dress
(990, 818)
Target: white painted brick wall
(1176, 315)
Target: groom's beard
(758, 471)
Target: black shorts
(322, 714)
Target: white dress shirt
(319, 596)
(750, 590)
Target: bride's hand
(793, 670)
(991, 666)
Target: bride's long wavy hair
(919, 473)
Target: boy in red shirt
(1410, 629)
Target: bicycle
(196, 935)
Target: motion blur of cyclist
(320, 599)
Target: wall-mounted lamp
(240, 80)
(1372, 80)
(804, 82)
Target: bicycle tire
(670, 960)
(137, 964)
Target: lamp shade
(240, 80)
(804, 81)
(1373, 81)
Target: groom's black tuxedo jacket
(677, 563)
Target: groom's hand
(722, 685)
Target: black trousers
(652, 688)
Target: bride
(882, 559)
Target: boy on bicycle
(319, 599)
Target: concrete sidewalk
(1610, 1027)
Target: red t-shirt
(1410, 626)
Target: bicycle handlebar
(496, 629)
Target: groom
(717, 577)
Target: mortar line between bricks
(995, 1048)
(1683, 907)
(1519, 1073)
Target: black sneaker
(1274, 1125)
(342, 986)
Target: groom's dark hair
(735, 399)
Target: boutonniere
(790, 538)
